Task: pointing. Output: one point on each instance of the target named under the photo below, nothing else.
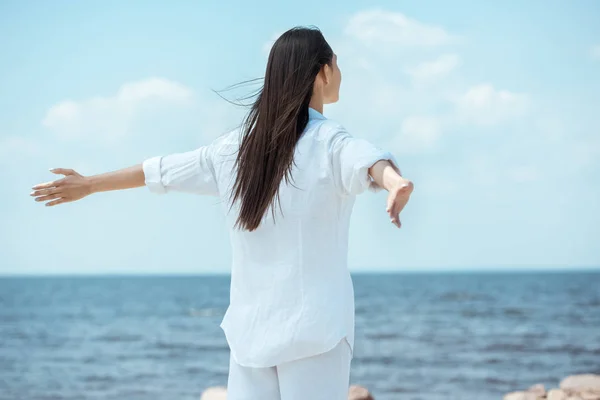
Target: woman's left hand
(73, 186)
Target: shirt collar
(314, 114)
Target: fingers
(396, 220)
(394, 216)
(52, 190)
(44, 192)
(398, 206)
(47, 185)
(63, 171)
(59, 201)
(397, 199)
(396, 203)
(48, 197)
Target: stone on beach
(589, 395)
(520, 396)
(582, 383)
(539, 390)
(359, 393)
(557, 394)
(574, 387)
(214, 393)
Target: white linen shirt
(291, 293)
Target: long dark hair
(276, 121)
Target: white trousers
(322, 377)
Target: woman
(288, 178)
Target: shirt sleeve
(350, 159)
(191, 172)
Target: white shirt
(291, 292)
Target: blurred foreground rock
(214, 393)
(220, 393)
(359, 393)
(575, 387)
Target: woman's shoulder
(328, 129)
(230, 137)
(224, 147)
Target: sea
(467, 335)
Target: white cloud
(376, 27)
(111, 117)
(418, 133)
(483, 104)
(439, 67)
(595, 52)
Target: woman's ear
(321, 78)
(326, 70)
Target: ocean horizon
(486, 270)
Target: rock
(214, 393)
(586, 382)
(539, 390)
(589, 395)
(357, 392)
(520, 396)
(574, 387)
(556, 394)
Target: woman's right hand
(73, 186)
(398, 196)
(388, 176)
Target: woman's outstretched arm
(125, 178)
(74, 186)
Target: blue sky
(491, 109)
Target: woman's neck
(316, 103)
